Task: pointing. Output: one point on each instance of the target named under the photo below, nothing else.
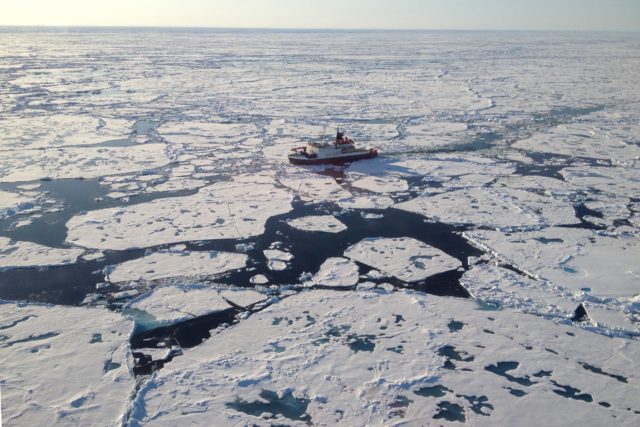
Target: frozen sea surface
(161, 262)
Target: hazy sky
(393, 14)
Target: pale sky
(618, 15)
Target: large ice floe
(162, 265)
(492, 207)
(173, 304)
(224, 210)
(64, 365)
(574, 258)
(405, 258)
(27, 254)
(336, 358)
(323, 223)
(80, 162)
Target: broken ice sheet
(381, 184)
(224, 210)
(332, 358)
(492, 207)
(277, 259)
(18, 254)
(617, 180)
(570, 257)
(579, 140)
(407, 259)
(56, 130)
(336, 272)
(162, 265)
(174, 304)
(322, 223)
(80, 162)
(64, 365)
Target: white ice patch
(81, 162)
(315, 188)
(574, 258)
(373, 358)
(226, 210)
(174, 304)
(492, 207)
(162, 265)
(336, 272)
(579, 140)
(18, 254)
(381, 184)
(277, 260)
(64, 365)
(620, 181)
(405, 258)
(59, 130)
(321, 223)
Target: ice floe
(492, 207)
(277, 259)
(81, 162)
(174, 304)
(405, 258)
(221, 211)
(336, 272)
(162, 265)
(64, 365)
(323, 223)
(18, 254)
(374, 358)
(379, 184)
(574, 258)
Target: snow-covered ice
(367, 358)
(173, 304)
(64, 365)
(162, 265)
(405, 258)
(570, 257)
(224, 210)
(323, 223)
(336, 272)
(27, 254)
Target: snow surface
(224, 210)
(574, 258)
(492, 207)
(162, 265)
(27, 254)
(407, 259)
(367, 358)
(323, 223)
(336, 272)
(64, 365)
(174, 304)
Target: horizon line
(180, 27)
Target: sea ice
(174, 304)
(407, 259)
(381, 184)
(373, 358)
(492, 207)
(81, 162)
(225, 210)
(336, 272)
(27, 254)
(162, 265)
(570, 257)
(64, 365)
(323, 223)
